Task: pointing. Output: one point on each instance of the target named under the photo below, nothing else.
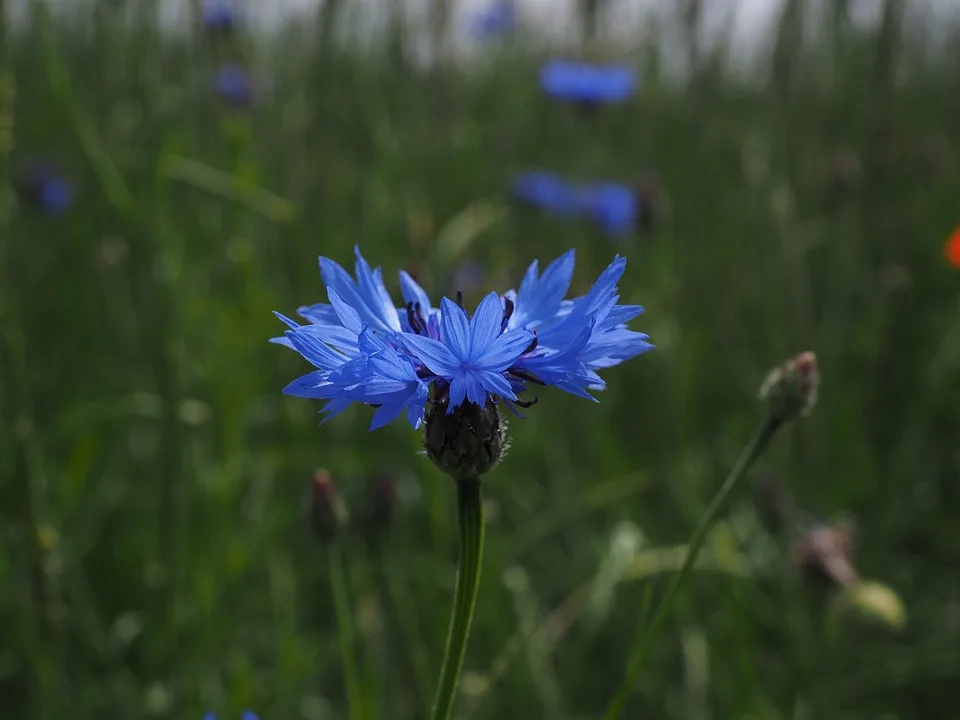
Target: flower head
(497, 19)
(615, 208)
(366, 350)
(547, 191)
(952, 249)
(43, 185)
(234, 85)
(219, 15)
(247, 715)
(586, 83)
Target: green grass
(156, 561)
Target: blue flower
(42, 184)
(547, 191)
(247, 715)
(219, 15)
(234, 85)
(612, 206)
(366, 350)
(500, 18)
(582, 82)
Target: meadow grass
(153, 478)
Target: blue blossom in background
(612, 206)
(499, 18)
(220, 15)
(234, 85)
(615, 208)
(366, 350)
(44, 186)
(247, 715)
(547, 191)
(586, 83)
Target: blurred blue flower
(368, 351)
(612, 206)
(247, 715)
(499, 18)
(582, 82)
(547, 191)
(44, 186)
(234, 85)
(220, 15)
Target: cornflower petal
(504, 351)
(412, 292)
(485, 325)
(454, 329)
(432, 353)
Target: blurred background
(784, 176)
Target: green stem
(348, 658)
(754, 449)
(465, 594)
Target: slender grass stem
(348, 655)
(644, 643)
(470, 505)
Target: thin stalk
(348, 655)
(470, 505)
(644, 643)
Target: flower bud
(824, 554)
(790, 390)
(328, 512)
(467, 442)
(875, 603)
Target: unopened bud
(874, 602)
(824, 554)
(790, 390)
(468, 442)
(328, 512)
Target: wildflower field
(181, 537)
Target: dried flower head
(824, 553)
(790, 390)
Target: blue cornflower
(500, 18)
(219, 15)
(42, 184)
(582, 82)
(366, 350)
(547, 191)
(234, 85)
(612, 206)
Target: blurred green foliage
(156, 561)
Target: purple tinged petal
(454, 329)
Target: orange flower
(952, 249)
